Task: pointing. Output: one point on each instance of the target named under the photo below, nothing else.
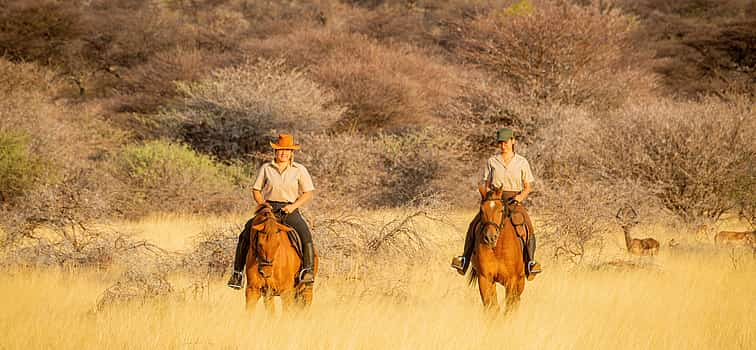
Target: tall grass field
(682, 299)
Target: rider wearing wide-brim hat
(511, 173)
(286, 186)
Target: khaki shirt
(284, 186)
(510, 177)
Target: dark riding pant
(295, 220)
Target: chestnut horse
(273, 264)
(498, 254)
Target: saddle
(520, 220)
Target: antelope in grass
(725, 237)
(628, 218)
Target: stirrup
(302, 275)
(458, 262)
(236, 279)
(532, 264)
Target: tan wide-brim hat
(285, 141)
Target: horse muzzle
(265, 269)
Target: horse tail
(472, 278)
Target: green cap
(504, 134)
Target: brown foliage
(706, 46)
(555, 52)
(388, 170)
(576, 215)
(69, 142)
(695, 157)
(235, 111)
(382, 85)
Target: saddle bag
(518, 220)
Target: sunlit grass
(686, 300)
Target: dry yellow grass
(692, 300)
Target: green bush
(19, 169)
(172, 176)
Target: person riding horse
(511, 173)
(286, 186)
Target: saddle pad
(518, 218)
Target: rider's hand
(288, 209)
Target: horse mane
(263, 212)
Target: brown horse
(498, 254)
(273, 264)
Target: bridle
(261, 261)
(506, 212)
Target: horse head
(492, 216)
(269, 238)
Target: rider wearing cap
(511, 172)
(285, 185)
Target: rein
(279, 216)
(506, 213)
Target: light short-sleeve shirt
(284, 186)
(510, 177)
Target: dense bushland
(120, 108)
(180, 177)
(703, 47)
(537, 48)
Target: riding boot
(461, 263)
(240, 258)
(533, 267)
(307, 275)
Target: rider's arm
(526, 189)
(257, 196)
(485, 182)
(527, 182)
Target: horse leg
(270, 304)
(288, 299)
(487, 288)
(514, 287)
(252, 296)
(304, 294)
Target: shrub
(388, 86)
(555, 52)
(18, 168)
(387, 170)
(697, 158)
(705, 47)
(234, 112)
(37, 30)
(173, 177)
(383, 86)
